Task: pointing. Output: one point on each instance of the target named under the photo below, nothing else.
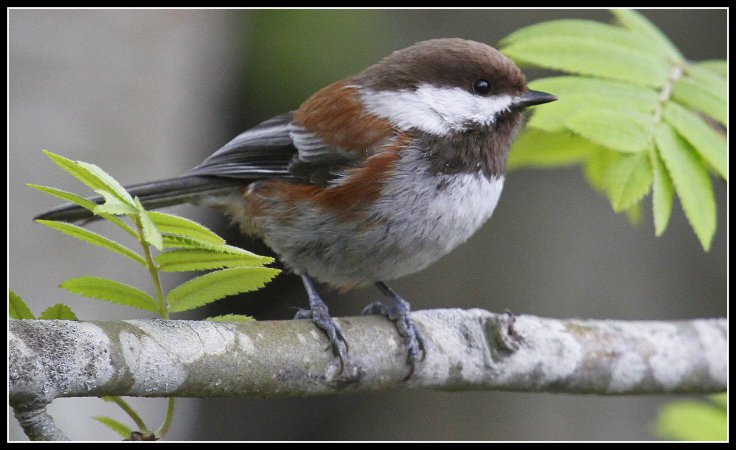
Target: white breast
(420, 216)
(431, 214)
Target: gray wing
(264, 151)
(260, 152)
(316, 161)
(277, 148)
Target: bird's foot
(398, 313)
(322, 319)
(319, 315)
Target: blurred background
(148, 94)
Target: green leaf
(639, 98)
(691, 94)
(17, 308)
(629, 180)
(216, 285)
(640, 25)
(596, 168)
(577, 93)
(708, 80)
(536, 148)
(706, 141)
(717, 66)
(92, 176)
(623, 132)
(689, 420)
(64, 195)
(704, 90)
(177, 241)
(231, 318)
(150, 232)
(692, 183)
(120, 428)
(75, 170)
(199, 259)
(113, 206)
(605, 60)
(587, 30)
(634, 213)
(169, 223)
(111, 291)
(84, 203)
(111, 185)
(93, 238)
(554, 117)
(662, 193)
(58, 312)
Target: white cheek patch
(435, 110)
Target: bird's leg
(319, 315)
(398, 313)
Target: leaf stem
(164, 313)
(130, 412)
(674, 75)
(169, 418)
(153, 270)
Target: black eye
(481, 87)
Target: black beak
(532, 98)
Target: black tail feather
(156, 194)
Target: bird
(372, 178)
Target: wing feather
(262, 151)
(329, 134)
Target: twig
(467, 350)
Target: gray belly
(419, 218)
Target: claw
(319, 315)
(415, 342)
(302, 313)
(398, 313)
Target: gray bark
(466, 350)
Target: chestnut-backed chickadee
(374, 177)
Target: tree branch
(467, 350)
